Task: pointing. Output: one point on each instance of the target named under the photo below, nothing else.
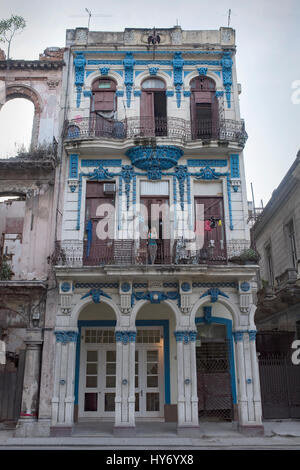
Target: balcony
(71, 253)
(174, 129)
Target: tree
(9, 27)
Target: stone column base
(124, 431)
(61, 431)
(251, 430)
(33, 428)
(188, 431)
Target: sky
(268, 65)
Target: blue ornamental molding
(125, 337)
(181, 174)
(104, 70)
(208, 173)
(128, 63)
(207, 162)
(65, 337)
(125, 287)
(104, 161)
(153, 70)
(96, 285)
(207, 314)
(245, 286)
(120, 93)
(79, 63)
(178, 64)
(219, 93)
(233, 285)
(185, 336)
(187, 93)
(169, 93)
(238, 335)
(137, 93)
(155, 297)
(73, 166)
(99, 174)
(226, 63)
(214, 293)
(234, 166)
(202, 71)
(65, 287)
(87, 93)
(163, 156)
(252, 335)
(96, 294)
(185, 286)
(127, 175)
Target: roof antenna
(229, 17)
(90, 14)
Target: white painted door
(149, 383)
(98, 373)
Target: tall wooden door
(204, 109)
(214, 246)
(99, 224)
(147, 114)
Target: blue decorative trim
(207, 313)
(120, 72)
(95, 294)
(245, 286)
(79, 201)
(65, 287)
(234, 166)
(185, 286)
(226, 63)
(120, 202)
(162, 157)
(155, 297)
(175, 200)
(207, 173)
(178, 64)
(187, 93)
(153, 70)
(99, 174)
(217, 72)
(202, 71)
(73, 166)
(170, 284)
(79, 63)
(125, 286)
(169, 72)
(96, 285)
(88, 72)
(112, 52)
(169, 93)
(104, 70)
(111, 323)
(89, 231)
(186, 72)
(65, 337)
(87, 93)
(229, 203)
(206, 163)
(107, 162)
(181, 174)
(252, 335)
(137, 92)
(219, 94)
(234, 285)
(128, 63)
(185, 336)
(127, 176)
(120, 93)
(137, 72)
(238, 335)
(125, 337)
(214, 293)
(228, 324)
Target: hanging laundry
(207, 226)
(220, 223)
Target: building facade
(276, 237)
(152, 316)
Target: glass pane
(211, 331)
(136, 368)
(152, 401)
(136, 381)
(152, 368)
(153, 83)
(152, 381)
(137, 402)
(109, 402)
(111, 356)
(91, 381)
(110, 381)
(92, 356)
(91, 369)
(152, 356)
(90, 401)
(111, 369)
(136, 356)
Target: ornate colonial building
(153, 315)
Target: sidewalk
(278, 435)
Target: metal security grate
(214, 384)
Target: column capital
(125, 336)
(65, 337)
(238, 335)
(252, 335)
(185, 335)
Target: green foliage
(9, 27)
(250, 254)
(6, 272)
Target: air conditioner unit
(109, 188)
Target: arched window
(204, 108)
(153, 112)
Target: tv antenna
(229, 17)
(90, 15)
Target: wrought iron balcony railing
(97, 127)
(129, 252)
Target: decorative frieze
(185, 336)
(125, 337)
(65, 337)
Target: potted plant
(248, 256)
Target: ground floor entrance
(98, 373)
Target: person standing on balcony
(152, 244)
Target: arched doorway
(215, 367)
(96, 362)
(153, 111)
(16, 123)
(204, 108)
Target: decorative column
(125, 383)
(187, 424)
(31, 383)
(64, 376)
(249, 418)
(255, 378)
